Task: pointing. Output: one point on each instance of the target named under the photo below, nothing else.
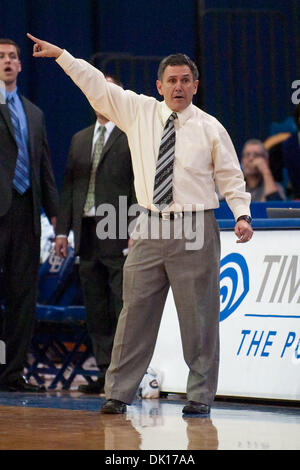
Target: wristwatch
(245, 217)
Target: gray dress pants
(153, 265)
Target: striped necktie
(90, 199)
(163, 184)
(21, 181)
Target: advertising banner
(259, 321)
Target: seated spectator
(286, 155)
(258, 176)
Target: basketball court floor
(69, 420)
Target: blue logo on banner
(234, 283)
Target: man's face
(252, 154)
(10, 65)
(177, 87)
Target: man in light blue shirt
(26, 185)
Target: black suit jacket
(114, 178)
(42, 180)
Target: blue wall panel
(158, 28)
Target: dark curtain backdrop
(155, 27)
(249, 53)
(84, 28)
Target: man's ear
(196, 83)
(159, 87)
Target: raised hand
(44, 49)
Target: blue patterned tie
(21, 179)
(163, 184)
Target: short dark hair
(12, 43)
(177, 59)
(297, 115)
(256, 142)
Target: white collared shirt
(204, 153)
(109, 127)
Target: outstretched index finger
(34, 39)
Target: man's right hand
(61, 247)
(261, 164)
(44, 49)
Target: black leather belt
(169, 215)
(89, 219)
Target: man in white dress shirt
(98, 172)
(203, 156)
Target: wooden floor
(69, 420)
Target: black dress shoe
(113, 407)
(196, 408)
(21, 385)
(95, 387)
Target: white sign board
(259, 321)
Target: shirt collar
(13, 93)
(182, 116)
(109, 127)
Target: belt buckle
(165, 216)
